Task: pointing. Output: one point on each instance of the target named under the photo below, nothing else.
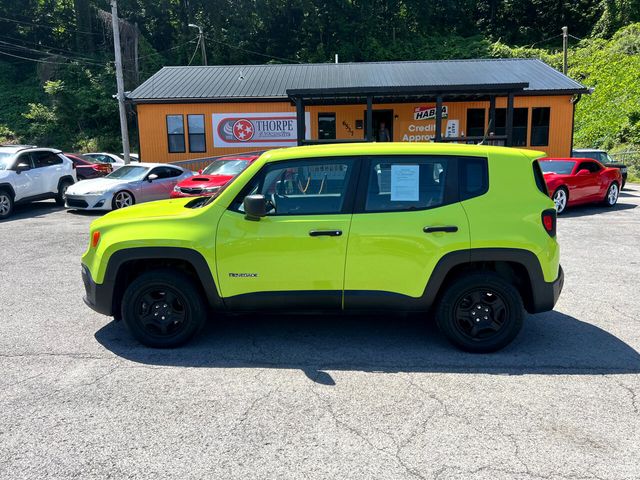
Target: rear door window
(405, 183)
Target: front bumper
(89, 202)
(546, 294)
(97, 296)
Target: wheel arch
(9, 188)
(65, 178)
(518, 266)
(127, 264)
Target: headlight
(176, 188)
(210, 189)
(96, 192)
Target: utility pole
(120, 81)
(565, 38)
(201, 42)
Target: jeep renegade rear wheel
(480, 313)
(163, 309)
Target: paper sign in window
(405, 183)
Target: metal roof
(274, 81)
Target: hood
(5, 173)
(206, 181)
(148, 210)
(94, 185)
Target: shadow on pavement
(550, 343)
(33, 210)
(586, 210)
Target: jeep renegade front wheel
(163, 308)
(480, 312)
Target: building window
(475, 122)
(326, 126)
(520, 124)
(540, 126)
(175, 133)
(197, 141)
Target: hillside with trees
(57, 71)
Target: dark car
(87, 167)
(604, 158)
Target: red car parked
(88, 168)
(217, 174)
(574, 181)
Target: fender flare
(107, 290)
(63, 179)
(9, 187)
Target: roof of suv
(392, 148)
(20, 148)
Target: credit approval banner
(269, 129)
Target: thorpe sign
(273, 129)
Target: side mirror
(152, 177)
(583, 171)
(22, 167)
(255, 207)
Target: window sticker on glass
(405, 183)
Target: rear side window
(473, 177)
(45, 159)
(539, 176)
(405, 183)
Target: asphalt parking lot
(311, 397)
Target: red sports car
(574, 181)
(217, 174)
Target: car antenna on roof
(487, 132)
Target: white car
(29, 173)
(114, 160)
(130, 184)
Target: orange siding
(154, 142)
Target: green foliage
(66, 99)
(611, 114)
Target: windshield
(563, 168)
(6, 159)
(226, 167)
(128, 172)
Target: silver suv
(29, 173)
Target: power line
(44, 25)
(254, 53)
(33, 59)
(542, 41)
(195, 51)
(169, 49)
(33, 50)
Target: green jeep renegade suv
(463, 232)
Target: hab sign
(273, 129)
(428, 112)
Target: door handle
(325, 233)
(447, 229)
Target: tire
(155, 295)
(561, 199)
(62, 191)
(6, 204)
(611, 197)
(122, 199)
(480, 313)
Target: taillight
(95, 238)
(549, 219)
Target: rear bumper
(97, 296)
(546, 294)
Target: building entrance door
(379, 117)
